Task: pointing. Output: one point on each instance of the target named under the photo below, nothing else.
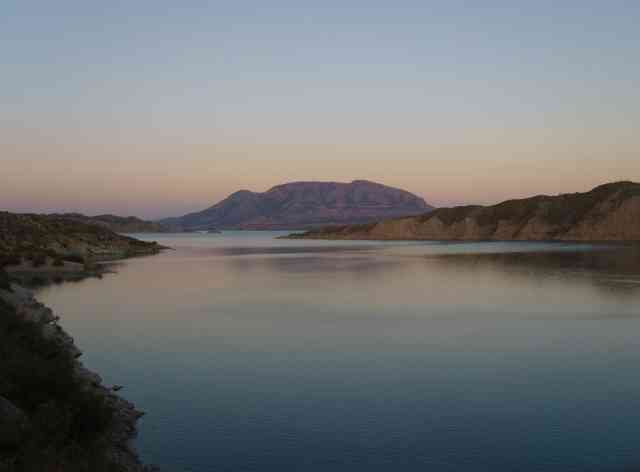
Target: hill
(610, 212)
(29, 235)
(304, 204)
(117, 224)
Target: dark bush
(10, 259)
(4, 281)
(74, 258)
(36, 281)
(38, 260)
(67, 420)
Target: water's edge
(122, 430)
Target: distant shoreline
(607, 213)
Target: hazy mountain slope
(300, 204)
(608, 212)
(118, 224)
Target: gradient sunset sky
(157, 108)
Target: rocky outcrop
(304, 204)
(610, 212)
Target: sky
(156, 108)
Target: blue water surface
(251, 353)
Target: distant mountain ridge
(609, 212)
(304, 204)
(117, 224)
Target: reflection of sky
(253, 353)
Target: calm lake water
(255, 354)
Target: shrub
(10, 259)
(67, 420)
(38, 260)
(74, 258)
(4, 281)
(36, 281)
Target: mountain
(610, 212)
(28, 235)
(304, 204)
(117, 224)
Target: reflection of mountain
(614, 270)
(608, 212)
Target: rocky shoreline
(122, 429)
(55, 414)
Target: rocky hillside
(304, 204)
(117, 224)
(610, 212)
(29, 235)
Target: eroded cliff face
(620, 222)
(610, 212)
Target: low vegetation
(65, 421)
(38, 237)
(54, 416)
(4, 281)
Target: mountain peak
(306, 203)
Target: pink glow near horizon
(159, 108)
(171, 177)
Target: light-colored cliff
(610, 212)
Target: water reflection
(257, 354)
(614, 270)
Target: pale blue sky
(251, 94)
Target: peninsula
(56, 244)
